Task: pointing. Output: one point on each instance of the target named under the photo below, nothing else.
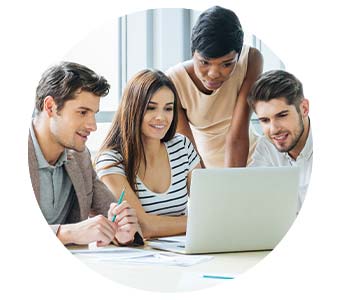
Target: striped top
(182, 157)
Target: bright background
(35, 34)
(152, 38)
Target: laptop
(237, 209)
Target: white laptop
(237, 209)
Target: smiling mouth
(83, 136)
(280, 137)
(158, 126)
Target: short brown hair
(276, 84)
(63, 80)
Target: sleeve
(193, 157)
(261, 155)
(107, 164)
(55, 228)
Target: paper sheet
(175, 238)
(172, 259)
(140, 256)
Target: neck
(295, 152)
(49, 147)
(191, 72)
(152, 148)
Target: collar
(307, 150)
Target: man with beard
(73, 201)
(277, 99)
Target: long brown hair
(125, 134)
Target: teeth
(158, 126)
(281, 137)
(82, 135)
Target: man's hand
(126, 221)
(98, 229)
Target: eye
(83, 112)
(264, 121)
(203, 62)
(283, 115)
(227, 65)
(170, 108)
(151, 108)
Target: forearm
(64, 234)
(157, 226)
(236, 152)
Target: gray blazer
(92, 195)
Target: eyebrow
(282, 112)
(277, 114)
(223, 62)
(88, 109)
(155, 103)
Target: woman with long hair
(143, 154)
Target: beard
(297, 138)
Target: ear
(304, 107)
(49, 106)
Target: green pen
(120, 200)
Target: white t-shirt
(182, 157)
(266, 155)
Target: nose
(275, 127)
(213, 72)
(159, 117)
(91, 124)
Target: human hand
(126, 221)
(97, 229)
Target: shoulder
(178, 73)
(180, 145)
(109, 154)
(178, 139)
(108, 158)
(176, 69)
(255, 59)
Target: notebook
(237, 209)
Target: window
(155, 38)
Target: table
(163, 278)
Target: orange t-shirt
(210, 116)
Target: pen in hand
(120, 200)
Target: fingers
(126, 220)
(131, 228)
(117, 209)
(110, 213)
(124, 213)
(125, 234)
(103, 229)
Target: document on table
(172, 259)
(116, 252)
(175, 238)
(140, 256)
(171, 243)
